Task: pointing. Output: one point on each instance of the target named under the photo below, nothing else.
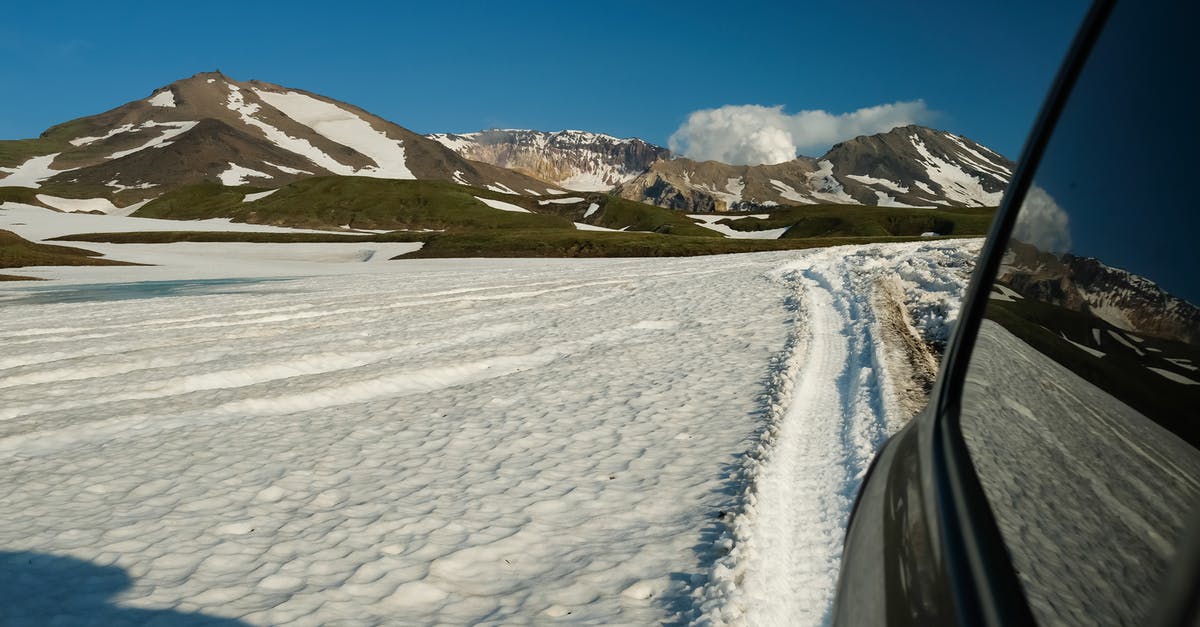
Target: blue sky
(625, 68)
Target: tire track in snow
(832, 405)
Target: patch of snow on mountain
(30, 173)
(709, 221)
(237, 175)
(592, 208)
(870, 180)
(561, 201)
(501, 188)
(116, 184)
(172, 130)
(346, 128)
(591, 227)
(1172, 376)
(164, 98)
(1087, 349)
(955, 184)
(532, 192)
(458, 178)
(826, 187)
(237, 103)
(884, 200)
(789, 193)
(285, 169)
(457, 143)
(258, 195)
(72, 205)
(124, 128)
(501, 205)
(1000, 171)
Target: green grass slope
(869, 221)
(362, 203)
(18, 252)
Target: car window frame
(985, 585)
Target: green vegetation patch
(869, 221)
(1119, 372)
(556, 243)
(357, 202)
(18, 252)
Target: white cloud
(754, 134)
(1042, 223)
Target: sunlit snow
(346, 128)
(501, 205)
(449, 441)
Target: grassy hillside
(362, 203)
(1120, 372)
(866, 221)
(601, 244)
(17, 252)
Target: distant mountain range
(574, 160)
(211, 128)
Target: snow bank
(103, 205)
(237, 175)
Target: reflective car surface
(1055, 477)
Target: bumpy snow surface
(453, 441)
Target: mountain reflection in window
(1079, 412)
(1081, 402)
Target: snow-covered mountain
(907, 166)
(211, 127)
(575, 160)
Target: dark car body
(1054, 477)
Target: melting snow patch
(954, 182)
(72, 205)
(173, 130)
(164, 98)
(1126, 343)
(1087, 349)
(561, 201)
(458, 178)
(1183, 363)
(503, 206)
(789, 193)
(1172, 376)
(124, 128)
(237, 175)
(870, 180)
(532, 192)
(502, 188)
(237, 103)
(258, 195)
(30, 173)
(592, 227)
(592, 208)
(826, 187)
(285, 169)
(346, 128)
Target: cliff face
(575, 160)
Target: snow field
(449, 442)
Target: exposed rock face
(210, 127)
(574, 160)
(1085, 284)
(907, 166)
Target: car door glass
(1080, 403)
